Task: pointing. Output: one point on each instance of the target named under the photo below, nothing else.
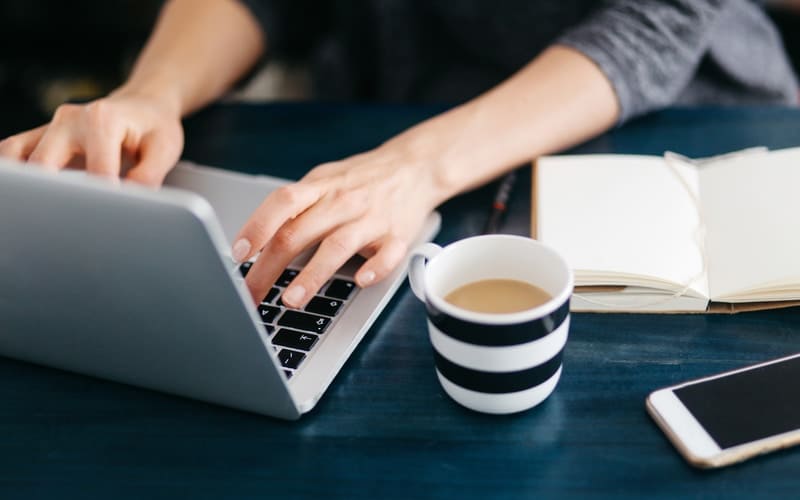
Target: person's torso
(434, 50)
(450, 51)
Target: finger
(54, 150)
(103, 152)
(391, 251)
(331, 255)
(158, 154)
(300, 233)
(278, 207)
(20, 146)
(263, 274)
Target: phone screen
(749, 405)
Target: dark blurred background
(53, 51)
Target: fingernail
(294, 295)
(366, 278)
(240, 250)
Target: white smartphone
(732, 416)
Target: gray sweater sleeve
(648, 49)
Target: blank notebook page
(752, 205)
(621, 214)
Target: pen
(499, 204)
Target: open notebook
(668, 234)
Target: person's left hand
(374, 203)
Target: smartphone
(732, 416)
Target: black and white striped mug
(494, 363)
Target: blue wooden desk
(385, 428)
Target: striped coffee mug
(494, 363)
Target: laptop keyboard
(295, 333)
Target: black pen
(500, 202)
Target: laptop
(137, 286)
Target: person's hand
(373, 203)
(98, 135)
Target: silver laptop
(137, 286)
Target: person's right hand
(99, 134)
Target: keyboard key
(340, 289)
(287, 277)
(296, 340)
(268, 313)
(304, 321)
(323, 305)
(288, 374)
(273, 292)
(245, 268)
(290, 359)
(269, 328)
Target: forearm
(198, 49)
(558, 100)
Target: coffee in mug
(494, 362)
(497, 296)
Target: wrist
(444, 148)
(419, 157)
(164, 97)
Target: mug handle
(416, 267)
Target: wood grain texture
(385, 429)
